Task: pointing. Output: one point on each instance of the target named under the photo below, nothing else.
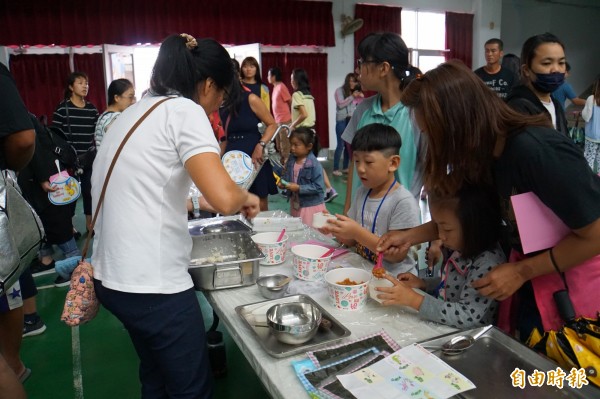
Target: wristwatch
(262, 143)
(196, 205)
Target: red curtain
(71, 22)
(459, 37)
(315, 66)
(41, 80)
(377, 18)
(92, 66)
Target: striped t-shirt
(82, 122)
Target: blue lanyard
(362, 214)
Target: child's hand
(412, 281)
(400, 294)
(293, 187)
(343, 227)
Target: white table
(277, 375)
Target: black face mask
(548, 82)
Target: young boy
(381, 204)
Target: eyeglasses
(360, 62)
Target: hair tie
(190, 41)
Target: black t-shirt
(13, 113)
(501, 82)
(547, 163)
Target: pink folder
(539, 227)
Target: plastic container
(378, 282)
(308, 262)
(274, 251)
(348, 297)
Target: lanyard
(362, 214)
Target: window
(425, 35)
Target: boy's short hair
(377, 137)
(497, 41)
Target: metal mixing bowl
(267, 286)
(294, 323)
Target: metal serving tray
(491, 360)
(220, 224)
(277, 349)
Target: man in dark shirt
(495, 77)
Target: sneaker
(37, 266)
(337, 173)
(33, 328)
(330, 195)
(61, 282)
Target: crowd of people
(420, 131)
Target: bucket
(348, 297)
(274, 251)
(308, 262)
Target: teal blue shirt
(369, 111)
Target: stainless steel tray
(277, 349)
(220, 224)
(491, 360)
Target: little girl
(469, 226)
(591, 116)
(303, 176)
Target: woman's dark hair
(301, 78)
(236, 66)
(596, 91)
(116, 88)
(251, 61)
(447, 102)
(478, 210)
(531, 44)
(73, 76)
(513, 63)
(307, 136)
(346, 86)
(276, 73)
(377, 137)
(180, 69)
(389, 47)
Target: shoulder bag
(21, 231)
(81, 303)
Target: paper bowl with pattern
(274, 251)
(309, 263)
(348, 297)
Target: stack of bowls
(274, 250)
(309, 263)
(348, 297)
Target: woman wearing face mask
(542, 71)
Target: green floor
(107, 365)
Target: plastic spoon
(282, 282)
(378, 270)
(329, 252)
(281, 235)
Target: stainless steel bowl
(268, 286)
(294, 323)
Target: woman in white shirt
(142, 245)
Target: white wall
(575, 22)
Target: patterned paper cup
(274, 251)
(348, 297)
(308, 262)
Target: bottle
(216, 353)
